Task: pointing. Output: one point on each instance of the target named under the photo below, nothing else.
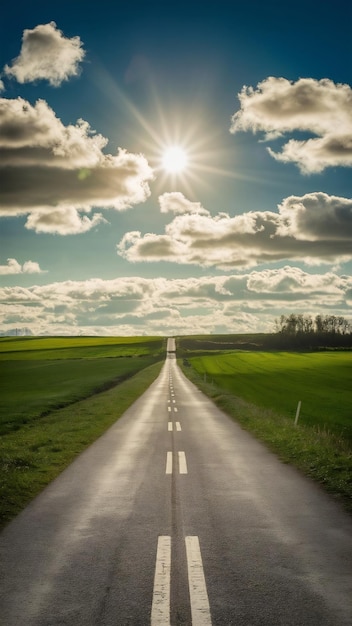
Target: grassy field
(38, 348)
(278, 380)
(261, 390)
(57, 396)
(42, 374)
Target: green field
(38, 348)
(43, 374)
(57, 396)
(260, 390)
(278, 380)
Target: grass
(36, 453)
(57, 396)
(278, 380)
(32, 388)
(39, 348)
(252, 389)
(39, 375)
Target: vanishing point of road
(177, 516)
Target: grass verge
(323, 456)
(34, 455)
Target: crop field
(278, 380)
(51, 407)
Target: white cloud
(317, 217)
(2, 86)
(175, 202)
(278, 106)
(14, 267)
(315, 228)
(46, 54)
(133, 305)
(66, 221)
(292, 280)
(52, 171)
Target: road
(177, 516)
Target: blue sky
(100, 234)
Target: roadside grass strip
(324, 456)
(34, 454)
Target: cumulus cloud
(279, 106)
(46, 54)
(317, 217)
(176, 202)
(14, 267)
(67, 221)
(315, 228)
(52, 171)
(157, 306)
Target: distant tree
(298, 330)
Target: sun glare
(174, 159)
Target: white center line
(175, 409)
(169, 426)
(169, 463)
(178, 426)
(173, 400)
(169, 408)
(200, 609)
(160, 615)
(182, 463)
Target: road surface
(177, 516)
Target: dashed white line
(175, 409)
(169, 408)
(160, 615)
(200, 609)
(182, 463)
(170, 426)
(168, 463)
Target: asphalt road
(177, 516)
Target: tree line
(321, 331)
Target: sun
(174, 159)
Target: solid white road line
(160, 615)
(178, 426)
(168, 463)
(182, 463)
(169, 426)
(200, 609)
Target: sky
(174, 168)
